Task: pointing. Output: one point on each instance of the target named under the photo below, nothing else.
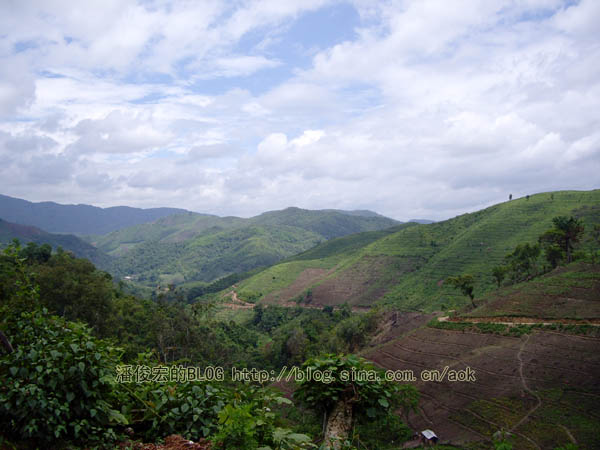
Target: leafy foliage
(57, 384)
(298, 333)
(560, 240)
(248, 422)
(371, 395)
(522, 262)
(464, 283)
(75, 289)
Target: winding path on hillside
(526, 388)
(237, 303)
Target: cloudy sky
(413, 109)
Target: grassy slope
(475, 243)
(324, 256)
(405, 268)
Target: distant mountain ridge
(422, 221)
(168, 245)
(81, 219)
(80, 248)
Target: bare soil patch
(363, 283)
(511, 375)
(304, 281)
(396, 323)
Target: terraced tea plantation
(535, 352)
(406, 268)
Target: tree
(76, 290)
(522, 262)
(36, 254)
(510, 197)
(499, 272)
(567, 232)
(350, 387)
(465, 284)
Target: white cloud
(434, 108)
(117, 133)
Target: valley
(277, 289)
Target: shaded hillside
(212, 255)
(81, 249)
(171, 229)
(80, 219)
(407, 268)
(194, 247)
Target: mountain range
(167, 245)
(79, 219)
(197, 247)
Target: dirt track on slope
(237, 303)
(509, 320)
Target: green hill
(327, 223)
(195, 247)
(172, 229)
(407, 268)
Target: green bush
(189, 409)
(248, 422)
(58, 383)
(338, 376)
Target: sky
(413, 109)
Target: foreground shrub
(57, 385)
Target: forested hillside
(193, 247)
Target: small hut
(428, 438)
